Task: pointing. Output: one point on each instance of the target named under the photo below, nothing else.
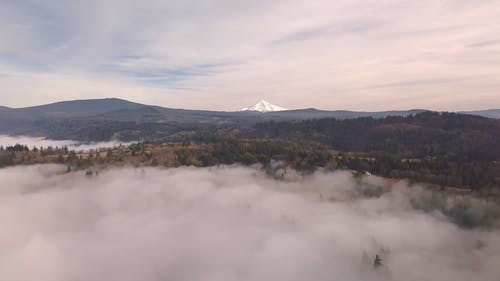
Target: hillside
(424, 134)
(490, 113)
(102, 119)
(74, 108)
(311, 113)
(445, 148)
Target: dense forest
(429, 134)
(200, 150)
(447, 149)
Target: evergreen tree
(377, 262)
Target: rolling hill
(489, 113)
(102, 119)
(74, 108)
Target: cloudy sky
(225, 55)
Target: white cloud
(225, 223)
(294, 53)
(43, 142)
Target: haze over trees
(447, 149)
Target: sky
(226, 55)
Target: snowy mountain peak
(264, 106)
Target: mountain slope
(74, 108)
(264, 106)
(311, 113)
(101, 119)
(490, 113)
(449, 149)
(39, 120)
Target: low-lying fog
(6, 140)
(226, 223)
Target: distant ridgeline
(105, 119)
(448, 149)
(451, 150)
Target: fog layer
(227, 223)
(6, 140)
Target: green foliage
(6, 159)
(17, 148)
(217, 150)
(444, 148)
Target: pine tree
(377, 262)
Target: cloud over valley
(227, 223)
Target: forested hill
(102, 119)
(490, 113)
(446, 148)
(422, 135)
(74, 108)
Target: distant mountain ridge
(111, 118)
(76, 108)
(490, 113)
(109, 106)
(119, 109)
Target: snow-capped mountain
(264, 106)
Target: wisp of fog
(31, 142)
(226, 223)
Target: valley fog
(31, 142)
(227, 223)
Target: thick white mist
(6, 140)
(226, 223)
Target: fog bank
(6, 140)
(226, 223)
